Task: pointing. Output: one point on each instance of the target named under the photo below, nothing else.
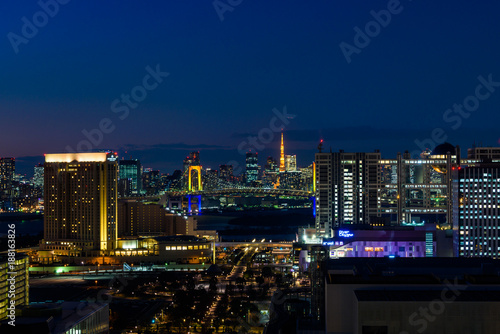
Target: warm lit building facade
(164, 249)
(80, 203)
(142, 219)
(19, 291)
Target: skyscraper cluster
(439, 188)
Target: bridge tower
(198, 170)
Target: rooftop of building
(4, 258)
(386, 270)
(50, 318)
(179, 238)
(426, 295)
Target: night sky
(225, 77)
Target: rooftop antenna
(320, 146)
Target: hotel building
(80, 203)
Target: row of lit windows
(190, 247)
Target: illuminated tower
(282, 155)
(80, 203)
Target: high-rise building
(271, 165)
(252, 167)
(324, 193)
(492, 153)
(38, 176)
(7, 171)
(151, 182)
(80, 203)
(14, 284)
(270, 174)
(193, 159)
(174, 181)
(363, 188)
(211, 179)
(291, 163)
(290, 180)
(307, 178)
(141, 219)
(346, 189)
(226, 173)
(476, 216)
(131, 170)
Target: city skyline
(388, 89)
(261, 167)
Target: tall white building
(477, 213)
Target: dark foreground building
(60, 318)
(404, 295)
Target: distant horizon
(25, 164)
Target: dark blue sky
(225, 77)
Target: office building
(146, 219)
(363, 188)
(251, 168)
(271, 165)
(7, 173)
(151, 182)
(346, 188)
(226, 173)
(211, 179)
(324, 193)
(290, 163)
(290, 180)
(477, 213)
(307, 178)
(480, 153)
(38, 176)
(80, 203)
(131, 172)
(270, 174)
(13, 287)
